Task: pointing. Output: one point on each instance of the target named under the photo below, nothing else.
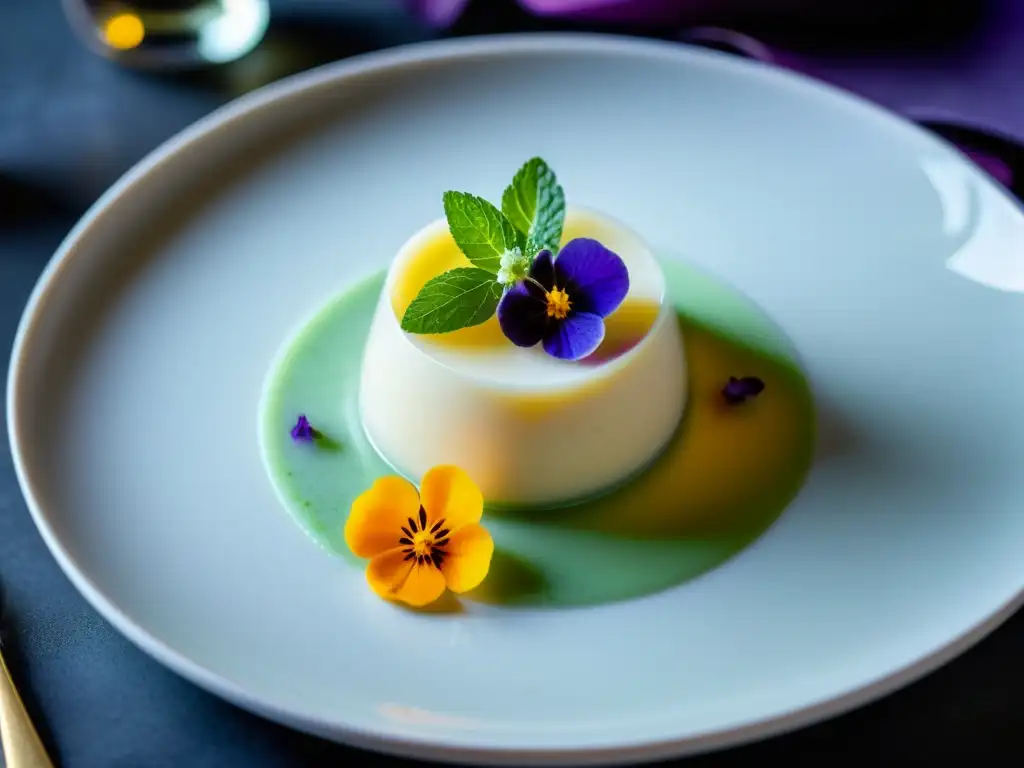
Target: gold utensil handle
(21, 745)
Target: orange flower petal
(376, 518)
(394, 578)
(469, 557)
(448, 492)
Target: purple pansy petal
(579, 335)
(522, 315)
(543, 269)
(596, 279)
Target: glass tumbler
(169, 34)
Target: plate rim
(350, 69)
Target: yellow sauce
(623, 329)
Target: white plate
(892, 264)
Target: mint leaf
(454, 299)
(535, 204)
(480, 230)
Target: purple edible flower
(303, 431)
(563, 302)
(738, 390)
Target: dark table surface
(71, 123)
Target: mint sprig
(535, 204)
(480, 230)
(458, 298)
(501, 245)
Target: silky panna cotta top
(483, 352)
(529, 428)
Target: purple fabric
(437, 13)
(992, 165)
(442, 13)
(992, 150)
(999, 155)
(621, 11)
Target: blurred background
(89, 87)
(72, 121)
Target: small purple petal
(579, 335)
(522, 315)
(596, 279)
(738, 390)
(543, 269)
(303, 431)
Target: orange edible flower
(420, 543)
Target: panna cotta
(527, 427)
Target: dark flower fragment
(303, 431)
(737, 390)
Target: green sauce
(727, 475)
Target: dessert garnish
(738, 390)
(563, 301)
(421, 543)
(304, 432)
(540, 295)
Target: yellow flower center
(558, 304)
(423, 544)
